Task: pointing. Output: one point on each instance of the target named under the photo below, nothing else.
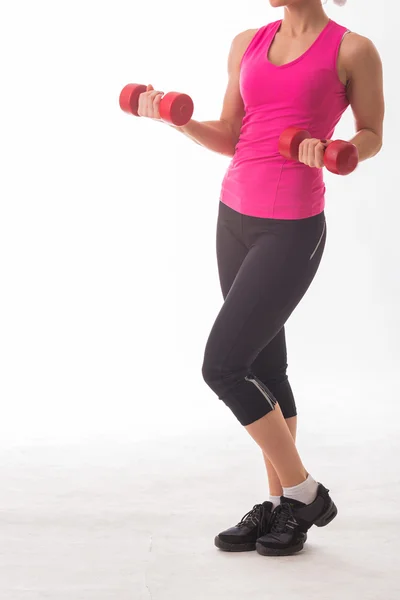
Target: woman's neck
(303, 18)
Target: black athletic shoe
(291, 520)
(244, 535)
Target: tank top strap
(261, 39)
(328, 46)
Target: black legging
(265, 267)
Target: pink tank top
(306, 93)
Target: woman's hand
(149, 103)
(311, 152)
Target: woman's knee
(221, 377)
(209, 373)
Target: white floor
(116, 521)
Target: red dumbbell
(174, 107)
(340, 157)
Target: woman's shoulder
(356, 50)
(355, 45)
(250, 33)
(243, 39)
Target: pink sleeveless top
(306, 93)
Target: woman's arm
(359, 65)
(363, 67)
(222, 136)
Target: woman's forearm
(214, 135)
(368, 143)
(219, 137)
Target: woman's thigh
(271, 363)
(272, 277)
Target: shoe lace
(259, 516)
(283, 518)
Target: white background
(109, 289)
(107, 229)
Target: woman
(304, 71)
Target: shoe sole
(279, 552)
(324, 520)
(234, 547)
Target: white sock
(305, 492)
(276, 500)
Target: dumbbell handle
(340, 157)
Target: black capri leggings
(265, 267)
